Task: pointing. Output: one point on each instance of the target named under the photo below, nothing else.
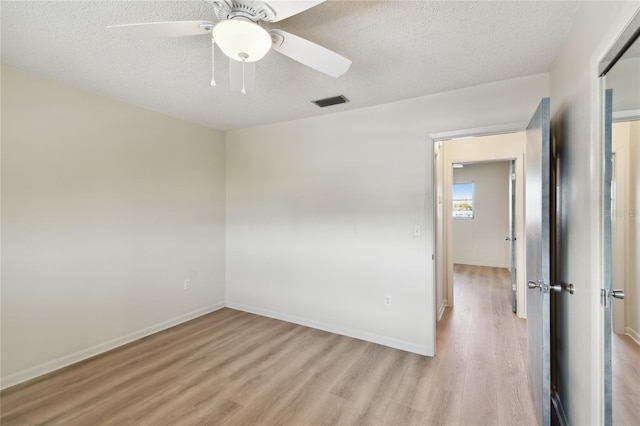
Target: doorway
(463, 239)
(481, 209)
(534, 246)
(625, 250)
(477, 327)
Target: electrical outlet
(187, 284)
(387, 300)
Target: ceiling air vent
(331, 101)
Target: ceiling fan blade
(285, 8)
(310, 54)
(163, 29)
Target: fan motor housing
(257, 12)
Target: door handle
(618, 294)
(568, 287)
(555, 287)
(546, 288)
(543, 287)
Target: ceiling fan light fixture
(242, 40)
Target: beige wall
(439, 233)
(321, 212)
(106, 209)
(625, 228)
(633, 214)
(576, 117)
(620, 223)
(481, 240)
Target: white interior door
(538, 229)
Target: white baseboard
(332, 328)
(633, 334)
(47, 367)
(441, 309)
(487, 264)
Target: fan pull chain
(243, 56)
(213, 55)
(243, 91)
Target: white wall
(106, 209)
(576, 117)
(623, 77)
(481, 240)
(321, 212)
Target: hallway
(485, 344)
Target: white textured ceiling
(399, 49)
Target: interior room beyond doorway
(480, 238)
(489, 163)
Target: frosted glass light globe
(242, 40)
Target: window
(463, 200)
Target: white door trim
(480, 131)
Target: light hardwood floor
(625, 354)
(231, 367)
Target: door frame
(602, 270)
(444, 222)
(619, 242)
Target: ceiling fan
(241, 35)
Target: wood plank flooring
(625, 354)
(235, 368)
